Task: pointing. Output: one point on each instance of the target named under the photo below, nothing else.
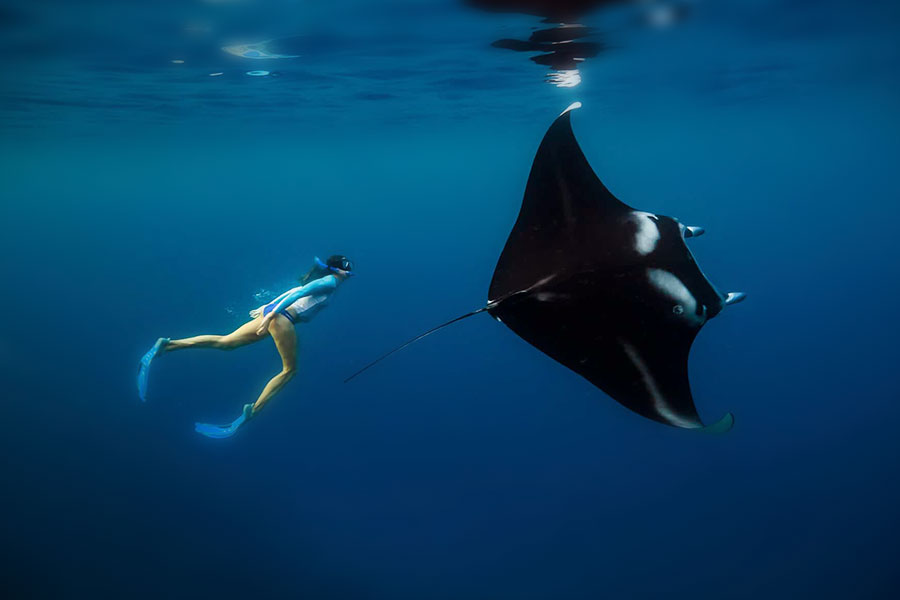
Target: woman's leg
(285, 337)
(243, 335)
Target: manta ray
(609, 291)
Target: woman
(277, 318)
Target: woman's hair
(335, 261)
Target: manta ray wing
(564, 203)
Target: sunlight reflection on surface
(564, 79)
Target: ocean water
(142, 197)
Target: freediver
(277, 319)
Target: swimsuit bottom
(282, 312)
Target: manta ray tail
(723, 425)
(417, 338)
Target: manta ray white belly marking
(647, 235)
(674, 288)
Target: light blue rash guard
(303, 302)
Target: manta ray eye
(678, 309)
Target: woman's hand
(264, 325)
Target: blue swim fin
(224, 431)
(144, 370)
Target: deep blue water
(142, 197)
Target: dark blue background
(469, 466)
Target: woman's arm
(258, 311)
(324, 284)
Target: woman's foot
(162, 344)
(224, 431)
